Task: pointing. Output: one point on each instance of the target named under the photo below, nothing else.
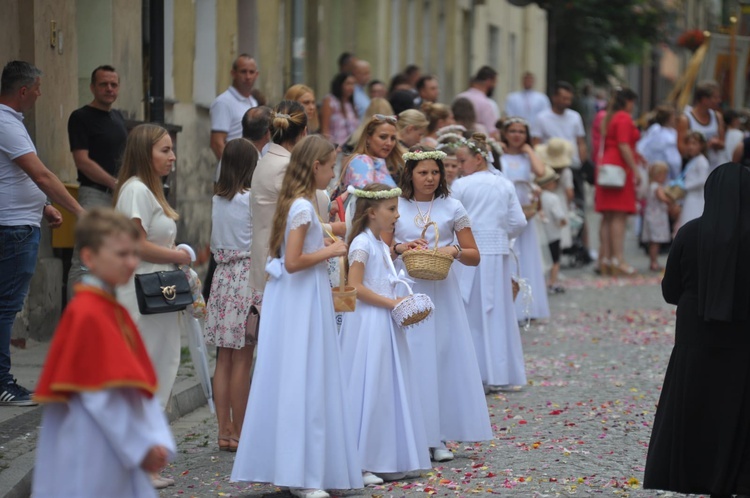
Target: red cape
(96, 346)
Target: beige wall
(127, 56)
(226, 42)
(184, 49)
(10, 36)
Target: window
(493, 58)
(204, 70)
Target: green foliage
(592, 37)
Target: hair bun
(480, 137)
(426, 107)
(280, 121)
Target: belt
(98, 187)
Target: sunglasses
(383, 117)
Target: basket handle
(518, 265)
(437, 235)
(342, 273)
(401, 278)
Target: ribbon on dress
(275, 267)
(400, 278)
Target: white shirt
(568, 126)
(232, 223)
(227, 111)
(711, 130)
(553, 215)
(21, 200)
(526, 104)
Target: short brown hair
(101, 222)
(237, 166)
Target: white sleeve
(299, 214)
(516, 220)
(461, 218)
(537, 129)
(137, 201)
(131, 422)
(15, 142)
(580, 130)
(221, 116)
(359, 251)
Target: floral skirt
(230, 299)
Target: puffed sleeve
(460, 218)
(359, 250)
(300, 214)
(137, 202)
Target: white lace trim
(358, 255)
(412, 305)
(461, 223)
(300, 219)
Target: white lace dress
(377, 366)
(517, 168)
(445, 364)
(298, 429)
(496, 215)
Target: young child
(450, 385)
(449, 143)
(231, 295)
(374, 352)
(496, 217)
(695, 174)
(298, 429)
(103, 431)
(656, 214)
(554, 218)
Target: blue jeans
(18, 249)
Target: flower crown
(496, 146)
(374, 194)
(515, 120)
(421, 155)
(476, 149)
(450, 129)
(450, 136)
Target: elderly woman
(700, 443)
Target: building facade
(189, 45)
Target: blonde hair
(411, 117)
(295, 92)
(138, 161)
(99, 223)
(394, 161)
(299, 182)
(655, 168)
(377, 105)
(435, 112)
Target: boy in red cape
(102, 429)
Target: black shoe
(14, 395)
(23, 389)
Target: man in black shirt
(97, 135)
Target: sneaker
(14, 395)
(26, 391)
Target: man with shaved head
(362, 74)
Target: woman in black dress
(701, 437)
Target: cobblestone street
(580, 428)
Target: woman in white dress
(496, 216)
(445, 364)
(139, 196)
(374, 352)
(298, 429)
(520, 165)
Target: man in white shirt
(362, 74)
(527, 103)
(25, 184)
(480, 93)
(228, 108)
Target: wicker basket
(344, 297)
(413, 309)
(531, 208)
(514, 279)
(675, 192)
(428, 264)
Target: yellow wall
(127, 56)
(226, 42)
(184, 49)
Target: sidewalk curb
(187, 396)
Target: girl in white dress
(298, 429)
(520, 165)
(445, 364)
(496, 216)
(695, 175)
(231, 295)
(374, 353)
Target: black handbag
(162, 292)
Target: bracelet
(395, 251)
(458, 254)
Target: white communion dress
(298, 429)
(377, 366)
(445, 364)
(517, 169)
(486, 289)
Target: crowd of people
(309, 195)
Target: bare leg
(653, 253)
(553, 274)
(221, 390)
(605, 247)
(617, 236)
(242, 360)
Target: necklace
(421, 220)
